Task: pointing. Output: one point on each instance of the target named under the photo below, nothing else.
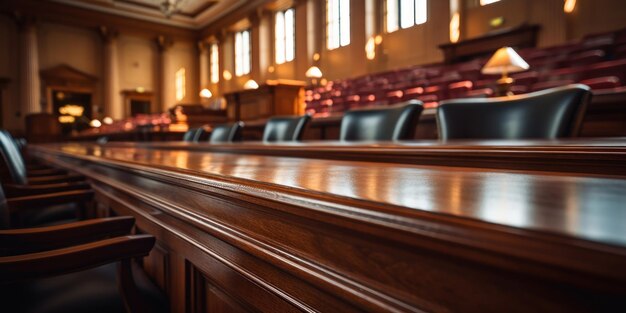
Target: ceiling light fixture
(170, 7)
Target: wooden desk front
(242, 232)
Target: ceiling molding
(144, 21)
(55, 12)
(226, 21)
(194, 14)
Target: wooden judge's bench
(272, 98)
(469, 226)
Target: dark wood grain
(27, 240)
(72, 259)
(599, 156)
(268, 233)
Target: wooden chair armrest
(12, 190)
(73, 259)
(38, 201)
(37, 166)
(46, 172)
(55, 179)
(28, 240)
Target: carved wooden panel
(157, 266)
(210, 298)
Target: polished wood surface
(598, 156)
(242, 232)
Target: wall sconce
(370, 46)
(370, 49)
(95, 123)
(251, 84)
(455, 28)
(227, 75)
(569, 6)
(206, 94)
(316, 56)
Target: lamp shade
(313, 72)
(206, 93)
(504, 61)
(251, 84)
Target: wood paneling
(280, 234)
(270, 99)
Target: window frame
(288, 55)
(214, 63)
(243, 59)
(342, 23)
(181, 84)
(398, 14)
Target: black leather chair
(17, 173)
(397, 122)
(547, 114)
(189, 135)
(285, 128)
(226, 133)
(71, 268)
(194, 134)
(18, 184)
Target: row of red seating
(598, 60)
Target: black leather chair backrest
(5, 218)
(396, 122)
(199, 134)
(189, 135)
(547, 114)
(285, 128)
(194, 134)
(226, 133)
(13, 159)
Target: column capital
(107, 34)
(255, 17)
(220, 35)
(203, 46)
(24, 21)
(163, 43)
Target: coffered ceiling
(193, 14)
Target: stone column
(29, 82)
(113, 106)
(166, 79)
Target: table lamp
(314, 73)
(505, 61)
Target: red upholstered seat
(525, 78)
(586, 58)
(459, 89)
(609, 68)
(606, 82)
(479, 93)
(550, 84)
